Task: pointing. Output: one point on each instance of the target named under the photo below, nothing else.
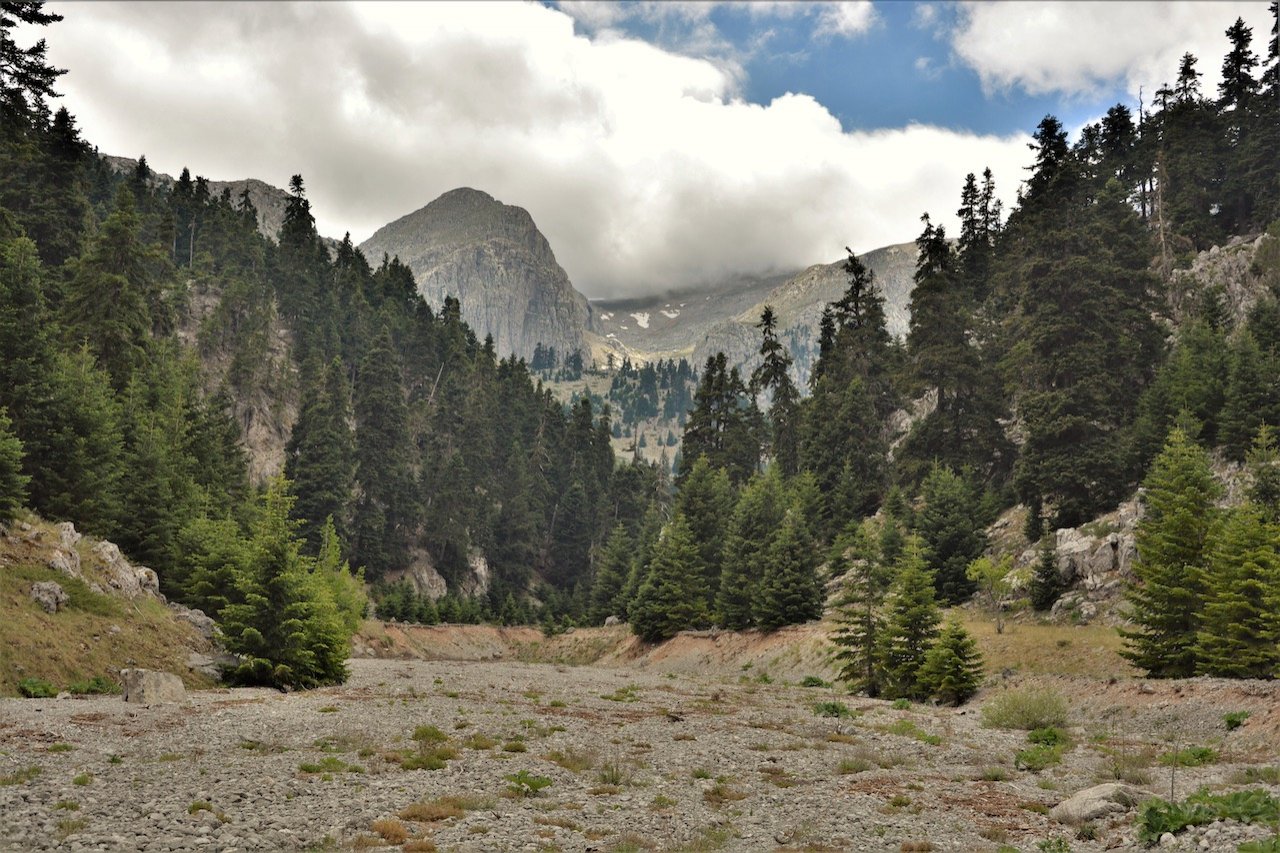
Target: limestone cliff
(494, 260)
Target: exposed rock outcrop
(148, 687)
(49, 595)
(494, 260)
(1096, 802)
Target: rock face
(798, 304)
(1098, 801)
(492, 258)
(149, 687)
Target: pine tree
(774, 377)
(345, 588)
(320, 457)
(953, 533)
(671, 597)
(952, 669)
(706, 501)
(26, 77)
(751, 530)
(911, 624)
(1238, 632)
(13, 483)
(788, 592)
(860, 620)
(1264, 471)
(285, 627)
(1179, 498)
(1046, 582)
(724, 424)
(611, 576)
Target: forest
(135, 316)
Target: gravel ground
(636, 760)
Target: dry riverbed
(548, 757)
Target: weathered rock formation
(493, 259)
(149, 687)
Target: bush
(1028, 708)
(1192, 756)
(1037, 758)
(1235, 719)
(838, 710)
(37, 688)
(1156, 817)
(96, 686)
(523, 784)
(814, 681)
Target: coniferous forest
(1051, 362)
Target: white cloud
(924, 15)
(847, 19)
(1083, 48)
(641, 166)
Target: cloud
(642, 166)
(1086, 48)
(846, 19)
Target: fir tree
(788, 592)
(952, 669)
(670, 598)
(285, 627)
(1179, 498)
(1238, 632)
(774, 377)
(1046, 581)
(859, 633)
(951, 528)
(320, 457)
(13, 483)
(911, 624)
(611, 576)
(1264, 471)
(751, 531)
(706, 501)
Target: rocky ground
(633, 758)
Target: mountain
(270, 201)
(696, 324)
(494, 260)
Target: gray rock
(150, 687)
(197, 619)
(49, 595)
(611, 621)
(1098, 801)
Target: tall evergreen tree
(953, 532)
(1166, 603)
(859, 633)
(724, 424)
(952, 669)
(751, 530)
(607, 590)
(774, 377)
(788, 591)
(706, 502)
(1238, 632)
(671, 597)
(911, 624)
(13, 483)
(320, 458)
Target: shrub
(1235, 719)
(814, 681)
(1028, 708)
(524, 784)
(1049, 736)
(1156, 817)
(838, 710)
(37, 688)
(1037, 758)
(97, 686)
(1192, 756)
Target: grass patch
(329, 764)
(1038, 757)
(722, 792)
(630, 693)
(390, 830)
(37, 688)
(99, 685)
(18, 777)
(479, 740)
(814, 681)
(82, 779)
(1191, 756)
(525, 784)
(1089, 651)
(1026, 708)
(1268, 775)
(70, 826)
(907, 728)
(573, 759)
(1234, 719)
(60, 747)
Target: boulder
(211, 665)
(196, 619)
(49, 595)
(1098, 801)
(150, 687)
(610, 621)
(122, 577)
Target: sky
(657, 145)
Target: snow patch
(608, 315)
(670, 315)
(642, 319)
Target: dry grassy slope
(80, 641)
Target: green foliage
(857, 640)
(98, 685)
(1191, 756)
(37, 688)
(285, 625)
(525, 784)
(13, 483)
(724, 425)
(953, 532)
(1252, 806)
(1038, 757)
(991, 577)
(706, 500)
(671, 597)
(838, 710)
(1235, 719)
(1166, 604)
(751, 532)
(607, 589)
(1046, 581)
(789, 591)
(911, 624)
(813, 681)
(952, 669)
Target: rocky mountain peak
(494, 260)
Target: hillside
(491, 257)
